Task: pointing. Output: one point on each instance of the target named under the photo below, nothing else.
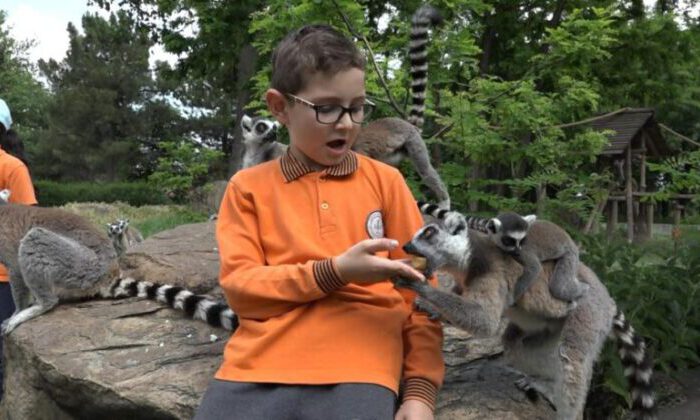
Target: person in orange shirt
(14, 176)
(308, 243)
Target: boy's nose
(345, 121)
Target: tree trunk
(247, 61)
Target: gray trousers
(226, 400)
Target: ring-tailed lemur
(53, 255)
(122, 235)
(388, 140)
(555, 356)
(260, 140)
(529, 241)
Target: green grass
(147, 219)
(178, 217)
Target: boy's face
(321, 145)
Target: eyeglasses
(331, 114)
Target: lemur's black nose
(409, 248)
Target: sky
(45, 21)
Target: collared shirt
(280, 225)
(14, 176)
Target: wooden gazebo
(636, 137)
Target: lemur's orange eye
(428, 232)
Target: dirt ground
(690, 407)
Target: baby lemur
(53, 255)
(554, 355)
(122, 235)
(529, 241)
(389, 140)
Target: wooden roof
(632, 126)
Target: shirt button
(324, 206)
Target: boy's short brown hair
(311, 49)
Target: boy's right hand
(359, 264)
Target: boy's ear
(277, 105)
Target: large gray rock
(126, 359)
(186, 255)
(135, 359)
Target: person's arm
(259, 291)
(253, 289)
(20, 185)
(423, 363)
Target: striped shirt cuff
(327, 276)
(422, 390)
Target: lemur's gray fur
(389, 140)
(529, 241)
(123, 236)
(555, 355)
(53, 255)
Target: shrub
(51, 193)
(657, 286)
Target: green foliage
(52, 193)
(681, 175)
(657, 286)
(182, 167)
(25, 96)
(105, 119)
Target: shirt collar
(292, 168)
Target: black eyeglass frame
(367, 108)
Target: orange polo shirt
(278, 228)
(14, 176)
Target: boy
(307, 244)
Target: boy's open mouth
(336, 144)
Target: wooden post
(628, 195)
(644, 227)
(650, 219)
(541, 193)
(612, 218)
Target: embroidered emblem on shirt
(375, 225)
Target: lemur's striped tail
(638, 367)
(214, 313)
(473, 222)
(418, 53)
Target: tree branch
(371, 58)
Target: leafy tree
(26, 97)
(216, 61)
(103, 100)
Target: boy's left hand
(414, 410)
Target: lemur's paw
(423, 305)
(7, 326)
(403, 283)
(533, 391)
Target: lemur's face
(510, 242)
(117, 228)
(509, 231)
(441, 249)
(259, 130)
(4, 196)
